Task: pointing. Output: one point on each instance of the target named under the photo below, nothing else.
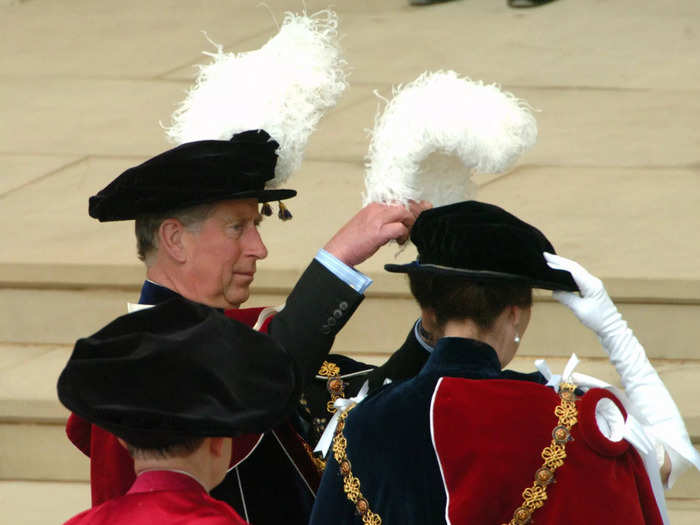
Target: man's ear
(216, 445)
(170, 239)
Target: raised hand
(371, 228)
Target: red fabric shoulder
(488, 437)
(158, 507)
(589, 425)
(249, 316)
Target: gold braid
(351, 484)
(336, 389)
(334, 384)
(553, 456)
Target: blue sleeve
(354, 279)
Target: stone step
(56, 304)
(42, 502)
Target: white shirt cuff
(354, 279)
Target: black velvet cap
(179, 370)
(485, 243)
(193, 173)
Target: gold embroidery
(334, 385)
(319, 463)
(535, 496)
(351, 484)
(329, 369)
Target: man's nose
(255, 245)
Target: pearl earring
(516, 338)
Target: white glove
(643, 386)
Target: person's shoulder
(218, 513)
(78, 518)
(396, 399)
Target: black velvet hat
(179, 370)
(194, 173)
(485, 243)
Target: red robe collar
(154, 480)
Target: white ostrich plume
(437, 132)
(284, 88)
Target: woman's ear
(520, 317)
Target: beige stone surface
(59, 316)
(687, 488)
(577, 44)
(28, 389)
(12, 355)
(40, 452)
(110, 117)
(42, 502)
(22, 170)
(57, 228)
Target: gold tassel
(284, 214)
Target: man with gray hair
(197, 211)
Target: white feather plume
(284, 88)
(439, 130)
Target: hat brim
(485, 275)
(264, 195)
(99, 211)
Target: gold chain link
(553, 455)
(351, 484)
(334, 384)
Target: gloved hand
(643, 386)
(594, 308)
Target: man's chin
(237, 299)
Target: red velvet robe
(488, 438)
(161, 497)
(111, 467)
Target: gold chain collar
(351, 484)
(553, 456)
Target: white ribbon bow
(554, 380)
(342, 405)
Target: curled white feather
(439, 130)
(284, 88)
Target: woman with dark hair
(466, 441)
